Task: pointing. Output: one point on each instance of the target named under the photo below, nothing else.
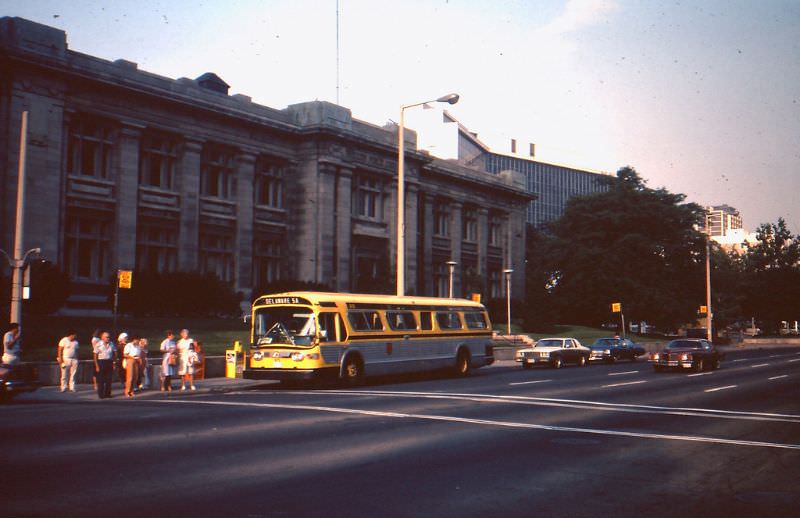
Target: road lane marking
(759, 365)
(529, 382)
(778, 377)
(772, 356)
(554, 402)
(487, 422)
(622, 373)
(623, 384)
(720, 388)
(795, 360)
(700, 374)
(742, 360)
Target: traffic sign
(703, 310)
(616, 307)
(125, 279)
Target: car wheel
(526, 365)
(698, 365)
(633, 357)
(658, 368)
(582, 361)
(557, 363)
(717, 364)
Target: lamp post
(401, 225)
(452, 266)
(709, 315)
(18, 265)
(508, 273)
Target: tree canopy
(630, 244)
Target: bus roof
(323, 298)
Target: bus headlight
(258, 355)
(298, 357)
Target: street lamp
(452, 266)
(709, 315)
(17, 266)
(508, 273)
(401, 224)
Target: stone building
(131, 170)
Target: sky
(702, 97)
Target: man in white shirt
(68, 360)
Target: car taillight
(654, 356)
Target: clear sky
(701, 97)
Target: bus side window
(341, 335)
(327, 327)
(425, 321)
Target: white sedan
(555, 352)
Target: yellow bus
(311, 335)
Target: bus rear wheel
(462, 363)
(353, 371)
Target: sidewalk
(85, 392)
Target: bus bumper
(291, 374)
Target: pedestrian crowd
(128, 358)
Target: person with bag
(185, 367)
(12, 344)
(143, 380)
(169, 361)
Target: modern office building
(551, 184)
(722, 220)
(131, 170)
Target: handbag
(172, 359)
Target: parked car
(615, 348)
(554, 352)
(697, 354)
(16, 379)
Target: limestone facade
(131, 170)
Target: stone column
(327, 227)
(189, 171)
(483, 245)
(126, 160)
(344, 229)
(245, 183)
(428, 240)
(456, 208)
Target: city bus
(311, 335)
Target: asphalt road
(603, 440)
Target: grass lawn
(41, 334)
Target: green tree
(629, 244)
(540, 278)
(772, 276)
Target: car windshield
(548, 343)
(606, 342)
(283, 325)
(684, 344)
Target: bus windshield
(284, 326)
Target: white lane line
(778, 377)
(623, 384)
(772, 356)
(795, 360)
(529, 382)
(551, 402)
(742, 360)
(622, 373)
(720, 388)
(700, 374)
(486, 422)
(759, 365)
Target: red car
(696, 354)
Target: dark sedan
(613, 349)
(696, 354)
(16, 379)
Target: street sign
(125, 279)
(616, 307)
(703, 310)
(476, 297)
